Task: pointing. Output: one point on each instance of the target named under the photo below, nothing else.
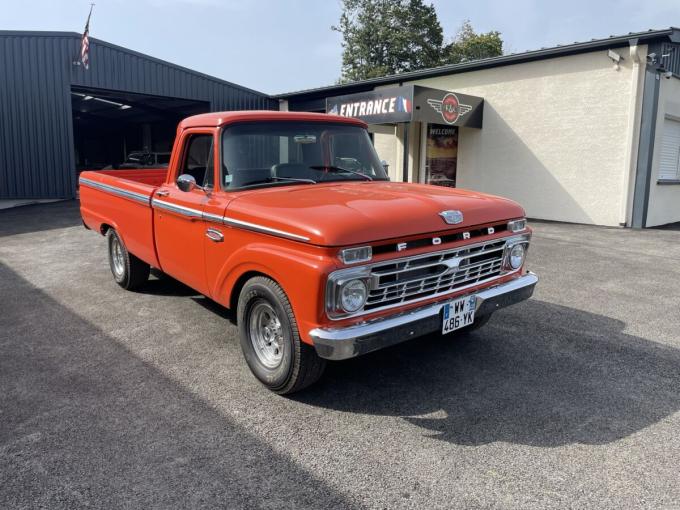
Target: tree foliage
(468, 45)
(383, 37)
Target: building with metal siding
(38, 78)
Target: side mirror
(186, 182)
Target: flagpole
(86, 33)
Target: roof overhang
(671, 34)
(410, 103)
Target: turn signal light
(517, 225)
(356, 255)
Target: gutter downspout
(650, 107)
(634, 111)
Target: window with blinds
(669, 163)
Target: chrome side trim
(190, 212)
(132, 195)
(177, 209)
(215, 218)
(264, 230)
(357, 339)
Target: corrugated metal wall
(670, 57)
(36, 75)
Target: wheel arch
(105, 227)
(241, 281)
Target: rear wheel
(270, 339)
(128, 271)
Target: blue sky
(284, 45)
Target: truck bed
(122, 199)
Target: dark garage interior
(110, 125)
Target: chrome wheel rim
(266, 334)
(117, 257)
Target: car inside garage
(113, 128)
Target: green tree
(382, 37)
(469, 45)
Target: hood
(352, 213)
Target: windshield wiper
(337, 169)
(273, 181)
(292, 179)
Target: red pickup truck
(290, 220)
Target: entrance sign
(410, 103)
(376, 107)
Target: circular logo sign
(450, 108)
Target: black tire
(128, 271)
(286, 364)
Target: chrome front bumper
(362, 338)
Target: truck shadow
(538, 374)
(84, 422)
(161, 284)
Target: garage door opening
(113, 129)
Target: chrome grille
(401, 281)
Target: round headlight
(517, 256)
(353, 295)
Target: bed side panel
(108, 199)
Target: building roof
(671, 34)
(215, 119)
(76, 35)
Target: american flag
(85, 42)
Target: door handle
(214, 235)
(162, 193)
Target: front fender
(300, 272)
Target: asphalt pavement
(113, 399)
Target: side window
(669, 161)
(198, 161)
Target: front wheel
(270, 339)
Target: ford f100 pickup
(290, 220)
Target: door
(178, 215)
(441, 155)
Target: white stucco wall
(555, 136)
(664, 200)
(385, 142)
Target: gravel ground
(142, 400)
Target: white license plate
(458, 314)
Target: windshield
(288, 152)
